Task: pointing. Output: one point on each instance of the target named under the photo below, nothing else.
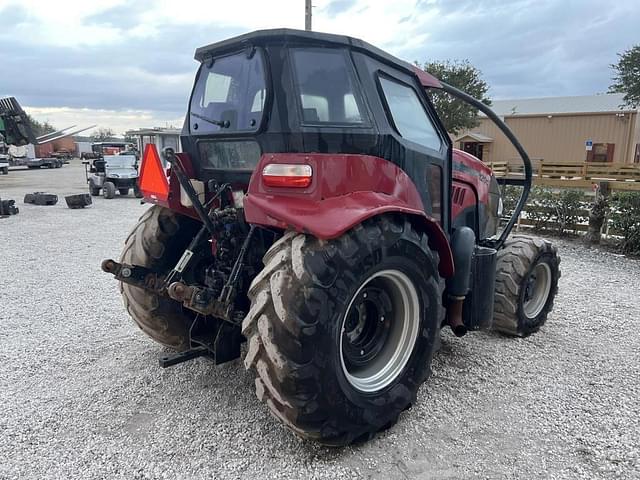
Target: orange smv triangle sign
(153, 180)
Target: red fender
(345, 190)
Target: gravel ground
(81, 395)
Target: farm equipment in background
(320, 213)
(111, 173)
(14, 123)
(14, 130)
(100, 149)
(16, 134)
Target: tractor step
(214, 339)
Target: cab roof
(303, 37)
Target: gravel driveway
(82, 396)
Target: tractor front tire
(341, 332)
(157, 242)
(108, 190)
(528, 270)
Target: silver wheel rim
(401, 323)
(537, 289)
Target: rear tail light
(287, 175)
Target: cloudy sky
(127, 64)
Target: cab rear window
(326, 87)
(229, 95)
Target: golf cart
(111, 173)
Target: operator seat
(99, 165)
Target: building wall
(562, 138)
(160, 140)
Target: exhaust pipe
(463, 242)
(454, 316)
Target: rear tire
(527, 276)
(108, 190)
(157, 242)
(302, 341)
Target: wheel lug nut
(361, 352)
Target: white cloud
(129, 62)
(61, 22)
(118, 120)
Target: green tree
(103, 134)
(129, 138)
(455, 114)
(627, 76)
(40, 128)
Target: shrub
(625, 220)
(540, 207)
(548, 210)
(510, 197)
(569, 208)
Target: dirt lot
(81, 394)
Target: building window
(601, 152)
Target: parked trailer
(49, 162)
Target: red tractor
(320, 213)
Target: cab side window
(408, 114)
(326, 87)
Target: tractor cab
(286, 92)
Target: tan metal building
(559, 129)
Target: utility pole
(307, 14)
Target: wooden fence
(619, 176)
